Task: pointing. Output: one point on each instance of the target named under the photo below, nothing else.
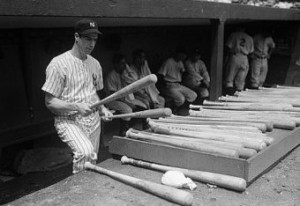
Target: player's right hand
(84, 109)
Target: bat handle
(126, 160)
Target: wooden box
(250, 169)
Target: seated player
(196, 76)
(172, 70)
(113, 83)
(139, 69)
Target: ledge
(144, 9)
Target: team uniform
(76, 81)
(149, 95)
(172, 73)
(259, 59)
(196, 73)
(240, 45)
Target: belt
(260, 57)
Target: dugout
(32, 32)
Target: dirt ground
(278, 187)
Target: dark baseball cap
(86, 26)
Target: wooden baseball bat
(235, 119)
(281, 122)
(247, 142)
(244, 153)
(215, 103)
(294, 102)
(226, 181)
(131, 88)
(182, 144)
(169, 193)
(260, 126)
(153, 113)
(245, 128)
(185, 127)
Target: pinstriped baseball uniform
(76, 81)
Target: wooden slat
(178, 157)
(271, 155)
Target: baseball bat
(186, 127)
(131, 88)
(134, 134)
(215, 103)
(256, 144)
(281, 122)
(153, 113)
(207, 118)
(211, 126)
(169, 193)
(244, 153)
(259, 126)
(226, 181)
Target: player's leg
(231, 71)
(263, 72)
(242, 72)
(83, 150)
(189, 94)
(255, 69)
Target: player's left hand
(105, 114)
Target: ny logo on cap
(92, 24)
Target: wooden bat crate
(250, 169)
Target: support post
(216, 65)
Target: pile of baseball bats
(232, 129)
(234, 126)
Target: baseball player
(139, 69)
(196, 76)
(72, 81)
(172, 70)
(113, 83)
(263, 47)
(240, 45)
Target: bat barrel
(166, 192)
(131, 88)
(226, 181)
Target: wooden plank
(144, 9)
(179, 157)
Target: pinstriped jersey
(73, 80)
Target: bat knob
(153, 78)
(124, 159)
(167, 112)
(128, 132)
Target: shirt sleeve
(271, 43)
(99, 85)
(129, 76)
(110, 85)
(55, 80)
(164, 68)
(204, 72)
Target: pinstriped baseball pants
(82, 137)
